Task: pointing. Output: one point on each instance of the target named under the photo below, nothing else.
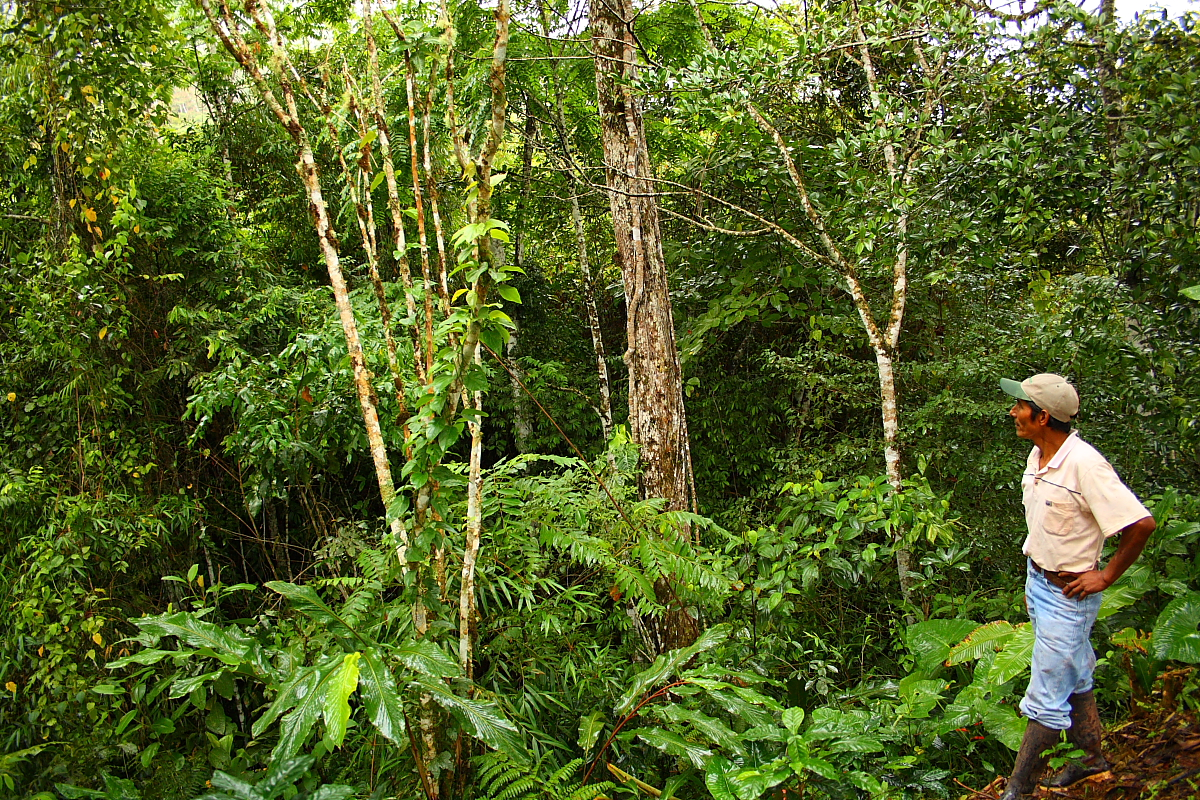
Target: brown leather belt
(1059, 579)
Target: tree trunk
(656, 415)
(593, 317)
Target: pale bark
(399, 237)
(227, 28)
(883, 339)
(522, 426)
(593, 318)
(522, 429)
(474, 532)
(656, 414)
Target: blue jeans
(1063, 659)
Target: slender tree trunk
(227, 27)
(522, 427)
(593, 317)
(656, 415)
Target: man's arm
(1133, 540)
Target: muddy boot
(1085, 734)
(1030, 761)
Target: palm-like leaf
(667, 665)
(932, 641)
(1016, 656)
(985, 638)
(1176, 634)
(675, 745)
(484, 720)
(384, 705)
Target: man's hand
(1087, 583)
(1133, 539)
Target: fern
(499, 778)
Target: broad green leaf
(306, 600)
(291, 692)
(920, 695)
(333, 791)
(1002, 722)
(793, 718)
(297, 724)
(185, 686)
(509, 293)
(145, 658)
(426, 658)
(1191, 293)
(856, 744)
(667, 665)
(817, 765)
(831, 723)
(384, 706)
(237, 786)
(985, 638)
(484, 721)
(1117, 597)
(717, 777)
(590, 728)
(73, 792)
(675, 745)
(196, 633)
(282, 774)
(932, 641)
(1176, 635)
(750, 712)
(342, 684)
(1016, 656)
(709, 729)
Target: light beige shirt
(1072, 505)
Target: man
(1073, 502)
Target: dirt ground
(1153, 757)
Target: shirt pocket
(1060, 517)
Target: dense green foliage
(198, 590)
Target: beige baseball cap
(1054, 393)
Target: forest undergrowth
(362, 437)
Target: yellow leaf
(66, 146)
(87, 90)
(12, 397)
(137, 228)
(200, 581)
(103, 332)
(42, 650)
(97, 638)
(71, 202)
(90, 213)
(104, 173)
(12, 687)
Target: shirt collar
(1066, 448)
(1035, 455)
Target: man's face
(1027, 424)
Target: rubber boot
(1030, 761)
(1085, 733)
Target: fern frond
(589, 792)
